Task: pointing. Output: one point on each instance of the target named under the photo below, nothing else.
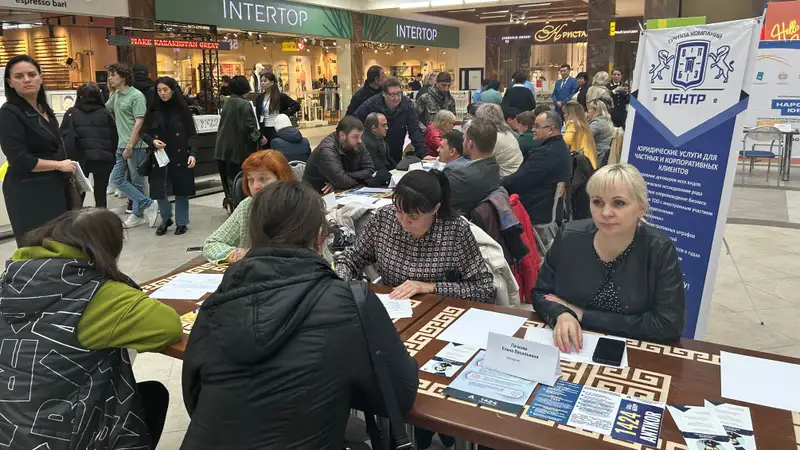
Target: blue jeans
(181, 210)
(134, 189)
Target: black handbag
(384, 434)
(145, 168)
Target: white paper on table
(397, 309)
(396, 177)
(449, 360)
(737, 423)
(760, 381)
(416, 166)
(474, 326)
(82, 183)
(161, 158)
(356, 199)
(545, 336)
(330, 201)
(382, 202)
(371, 191)
(700, 428)
(188, 286)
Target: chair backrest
(238, 193)
(561, 190)
(764, 134)
(616, 146)
(298, 168)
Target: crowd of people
(284, 294)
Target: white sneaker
(151, 214)
(133, 222)
(110, 190)
(117, 193)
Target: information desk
(421, 305)
(685, 374)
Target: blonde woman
(578, 134)
(602, 128)
(506, 149)
(613, 273)
(599, 89)
(441, 124)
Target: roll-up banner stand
(690, 89)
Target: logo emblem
(760, 76)
(690, 64)
(720, 62)
(664, 61)
(783, 76)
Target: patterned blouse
(230, 235)
(607, 297)
(447, 255)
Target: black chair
(237, 195)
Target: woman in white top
(270, 104)
(506, 150)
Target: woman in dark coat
(270, 104)
(90, 138)
(37, 185)
(169, 126)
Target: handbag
(145, 167)
(74, 197)
(380, 431)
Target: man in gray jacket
(340, 160)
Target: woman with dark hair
(283, 338)
(231, 241)
(492, 93)
(37, 186)
(620, 92)
(270, 104)
(238, 136)
(87, 314)
(90, 138)
(420, 245)
(583, 87)
(169, 126)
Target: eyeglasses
(539, 127)
(394, 94)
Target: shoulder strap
(398, 427)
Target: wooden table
(420, 305)
(684, 374)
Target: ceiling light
(462, 10)
(472, 2)
(402, 46)
(376, 50)
(493, 17)
(413, 5)
(494, 12)
(446, 2)
(444, 53)
(534, 5)
(427, 49)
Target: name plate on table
(523, 359)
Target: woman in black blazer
(272, 103)
(169, 125)
(518, 95)
(37, 186)
(615, 273)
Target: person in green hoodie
(72, 315)
(525, 123)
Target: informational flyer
(487, 387)
(187, 320)
(619, 416)
(450, 360)
(701, 428)
(737, 423)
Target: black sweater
(89, 133)
(519, 97)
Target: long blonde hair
(600, 79)
(573, 112)
(600, 109)
(607, 177)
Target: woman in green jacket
(72, 315)
(238, 136)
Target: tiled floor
(756, 302)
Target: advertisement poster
(616, 415)
(684, 134)
(701, 428)
(299, 73)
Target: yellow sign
(613, 29)
(559, 33)
(289, 46)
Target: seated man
(289, 140)
(374, 139)
(471, 184)
(451, 150)
(340, 161)
(545, 166)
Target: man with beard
(437, 99)
(340, 160)
(376, 78)
(401, 117)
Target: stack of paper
(702, 428)
(545, 336)
(397, 309)
(448, 361)
(474, 326)
(743, 379)
(188, 286)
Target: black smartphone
(609, 351)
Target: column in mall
(142, 15)
(662, 9)
(600, 48)
(356, 54)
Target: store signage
(290, 46)
(127, 41)
(398, 31)
(782, 22)
(109, 8)
(260, 15)
(561, 33)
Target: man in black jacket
(142, 82)
(519, 96)
(546, 165)
(340, 161)
(374, 139)
(470, 184)
(376, 78)
(401, 116)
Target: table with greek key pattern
(686, 373)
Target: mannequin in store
(255, 78)
(268, 68)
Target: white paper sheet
(397, 309)
(330, 201)
(396, 177)
(760, 381)
(474, 326)
(81, 181)
(356, 199)
(545, 336)
(737, 423)
(449, 360)
(161, 158)
(700, 428)
(188, 286)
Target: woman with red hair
(231, 241)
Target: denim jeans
(181, 210)
(134, 189)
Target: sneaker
(133, 221)
(129, 208)
(151, 214)
(117, 193)
(110, 190)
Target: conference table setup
(686, 373)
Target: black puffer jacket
(277, 357)
(649, 282)
(344, 169)
(89, 133)
(292, 144)
(403, 120)
(362, 95)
